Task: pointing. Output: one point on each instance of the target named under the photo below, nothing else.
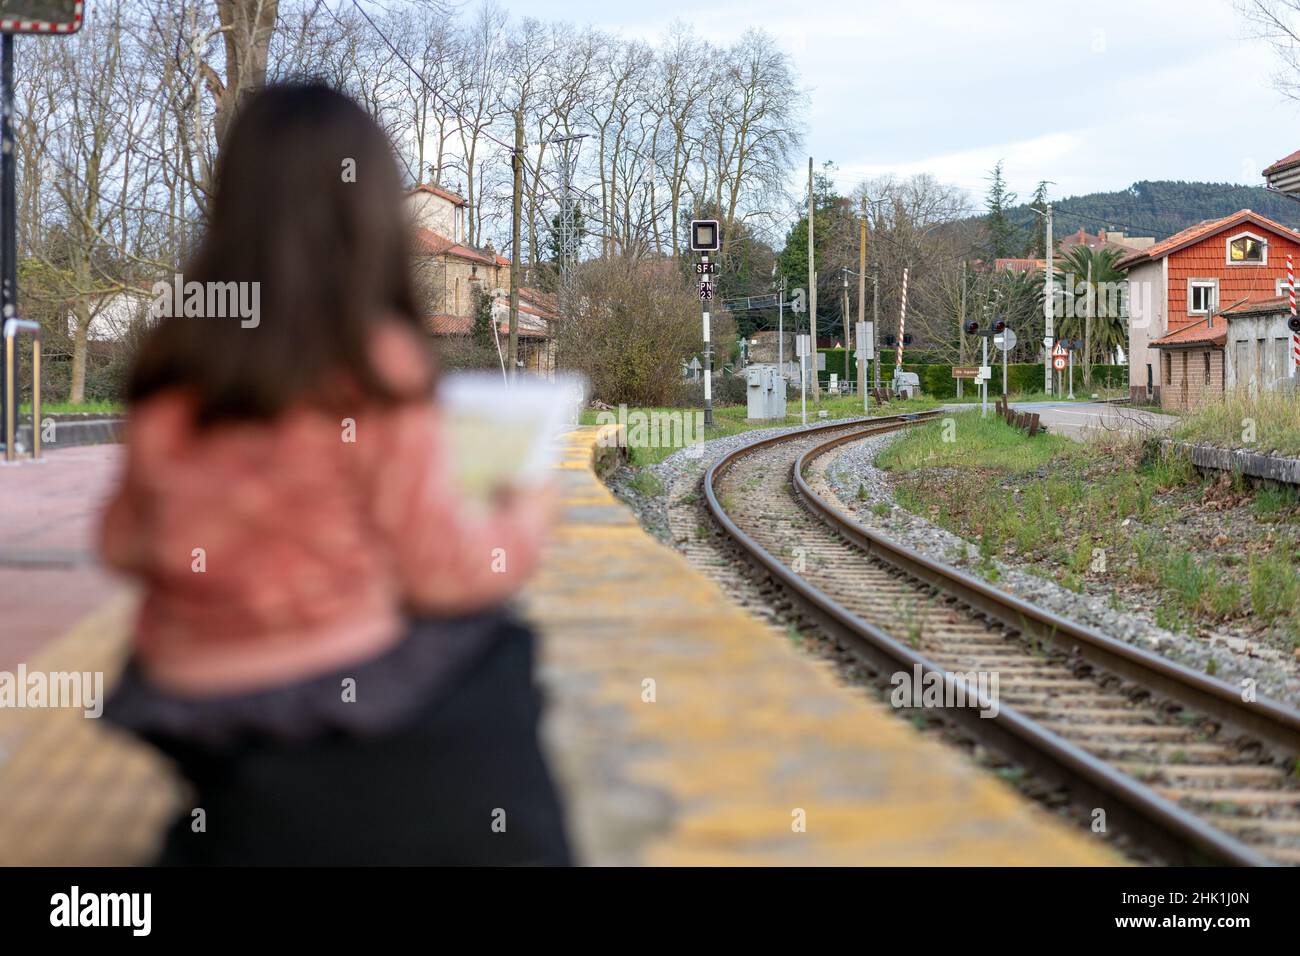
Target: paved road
(1079, 419)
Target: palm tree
(1100, 306)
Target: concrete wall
(1252, 362)
(1147, 311)
(438, 214)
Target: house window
(1201, 296)
(1246, 249)
(1282, 287)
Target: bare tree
(1277, 22)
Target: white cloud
(1093, 96)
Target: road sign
(1005, 340)
(40, 16)
(802, 345)
(965, 371)
(706, 291)
(1059, 351)
(1058, 362)
(983, 373)
(705, 268)
(866, 332)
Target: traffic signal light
(972, 327)
(1293, 323)
(999, 327)
(907, 338)
(890, 340)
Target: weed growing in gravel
(648, 484)
(1272, 501)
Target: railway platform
(681, 730)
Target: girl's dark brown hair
(329, 250)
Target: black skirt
(442, 768)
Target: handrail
(11, 329)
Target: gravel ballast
(866, 492)
(863, 489)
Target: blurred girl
(320, 647)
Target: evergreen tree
(1002, 234)
(481, 331)
(1034, 248)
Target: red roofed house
(1176, 289)
(449, 272)
(1104, 239)
(1020, 265)
(1284, 175)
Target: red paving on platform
(49, 577)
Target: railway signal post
(704, 239)
(996, 330)
(1006, 341)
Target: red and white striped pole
(902, 321)
(1295, 336)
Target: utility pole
(961, 325)
(517, 156)
(780, 326)
(812, 287)
(8, 221)
(1048, 309)
(844, 321)
(1087, 334)
(862, 299)
(875, 321)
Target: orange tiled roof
(1020, 265)
(431, 243)
(1197, 334)
(1278, 303)
(1204, 230)
(449, 324)
(531, 325)
(546, 303)
(1286, 162)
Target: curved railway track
(1176, 759)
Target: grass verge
(1268, 422)
(1114, 515)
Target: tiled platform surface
(746, 735)
(742, 737)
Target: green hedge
(937, 380)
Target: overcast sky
(1135, 89)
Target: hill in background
(1159, 208)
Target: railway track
(1177, 760)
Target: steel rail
(1150, 818)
